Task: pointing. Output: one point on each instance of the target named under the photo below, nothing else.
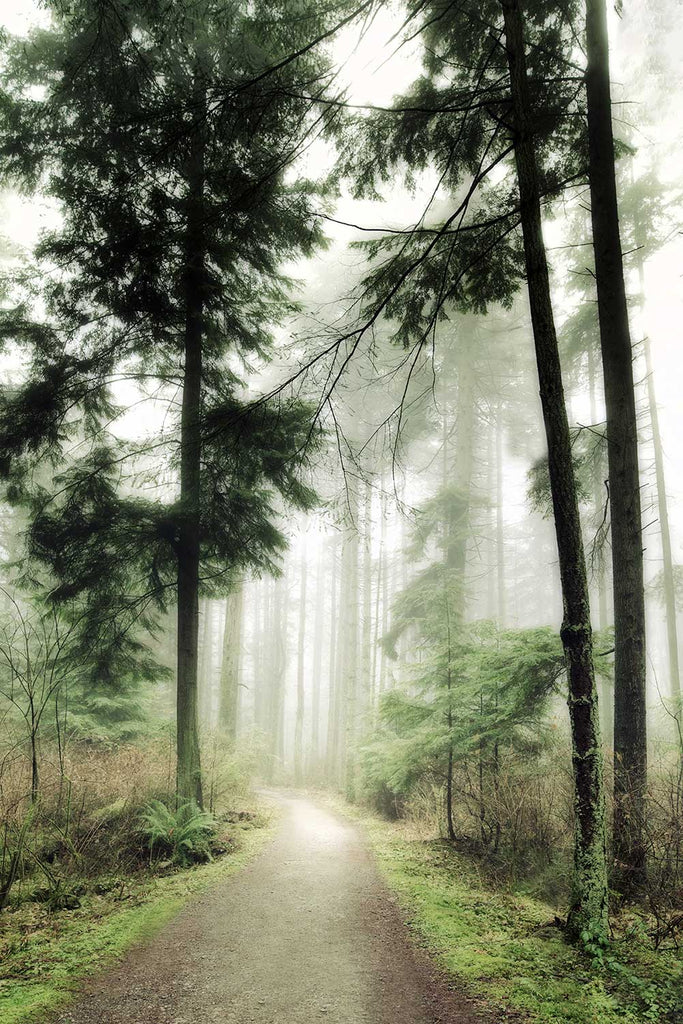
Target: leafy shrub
(181, 836)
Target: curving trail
(306, 933)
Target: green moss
(46, 957)
(502, 946)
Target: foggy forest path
(305, 933)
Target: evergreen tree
(478, 104)
(164, 131)
(630, 698)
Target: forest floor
(301, 925)
(504, 946)
(45, 955)
(306, 932)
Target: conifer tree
(499, 84)
(630, 708)
(164, 131)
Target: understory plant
(182, 836)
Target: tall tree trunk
(384, 580)
(599, 497)
(189, 779)
(231, 662)
(460, 472)
(300, 678)
(630, 725)
(351, 650)
(205, 656)
(333, 697)
(500, 524)
(367, 678)
(665, 531)
(675, 693)
(318, 630)
(589, 892)
(258, 655)
(276, 674)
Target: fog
(341, 357)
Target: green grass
(45, 956)
(501, 945)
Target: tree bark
(589, 891)
(630, 724)
(598, 568)
(189, 780)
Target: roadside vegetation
(506, 944)
(85, 881)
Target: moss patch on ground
(505, 949)
(45, 955)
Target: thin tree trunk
(300, 692)
(333, 702)
(231, 662)
(665, 530)
(589, 892)
(204, 672)
(189, 780)
(367, 679)
(599, 496)
(318, 625)
(675, 694)
(630, 724)
(350, 647)
(258, 696)
(384, 578)
(500, 524)
(379, 583)
(461, 474)
(35, 769)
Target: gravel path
(306, 933)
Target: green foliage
(475, 687)
(589, 452)
(40, 964)
(506, 948)
(465, 252)
(104, 112)
(180, 835)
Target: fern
(182, 835)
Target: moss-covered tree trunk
(589, 907)
(630, 720)
(189, 780)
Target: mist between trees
(354, 500)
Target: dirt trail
(306, 933)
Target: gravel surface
(305, 933)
